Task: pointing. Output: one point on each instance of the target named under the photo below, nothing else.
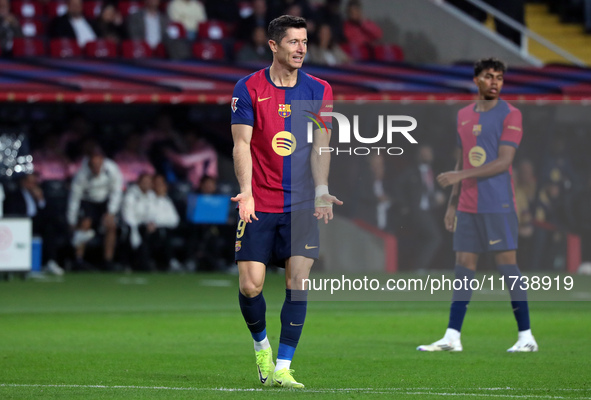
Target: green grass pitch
(182, 337)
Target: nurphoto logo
(394, 124)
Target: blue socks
(293, 315)
(518, 295)
(460, 299)
(253, 310)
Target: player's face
(292, 49)
(489, 84)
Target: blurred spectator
(189, 13)
(199, 159)
(157, 140)
(150, 215)
(95, 199)
(163, 132)
(420, 200)
(581, 217)
(210, 245)
(257, 49)
(280, 7)
(301, 8)
(132, 161)
(549, 233)
(223, 10)
(375, 199)
(109, 24)
(136, 213)
(50, 161)
(29, 201)
(72, 139)
(324, 51)
(330, 14)
(150, 25)
(258, 19)
(525, 196)
(559, 168)
(166, 219)
(359, 30)
(73, 25)
(9, 28)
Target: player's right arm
(242, 129)
(242, 134)
(452, 205)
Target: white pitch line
(406, 391)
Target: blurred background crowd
(111, 188)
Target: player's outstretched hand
(450, 218)
(323, 207)
(449, 178)
(245, 206)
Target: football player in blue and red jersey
(482, 213)
(283, 177)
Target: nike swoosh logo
(279, 382)
(310, 247)
(491, 242)
(263, 380)
(292, 324)
(266, 98)
(465, 122)
(254, 323)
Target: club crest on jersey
(238, 246)
(284, 110)
(477, 130)
(234, 104)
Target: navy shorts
(479, 233)
(278, 236)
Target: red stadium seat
(356, 52)
(214, 30)
(32, 27)
(101, 48)
(27, 9)
(64, 48)
(128, 7)
(28, 47)
(135, 49)
(176, 31)
(209, 50)
(388, 52)
(92, 9)
(57, 8)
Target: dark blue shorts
(276, 237)
(479, 233)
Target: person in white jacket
(94, 202)
(150, 215)
(189, 13)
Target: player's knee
(250, 289)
